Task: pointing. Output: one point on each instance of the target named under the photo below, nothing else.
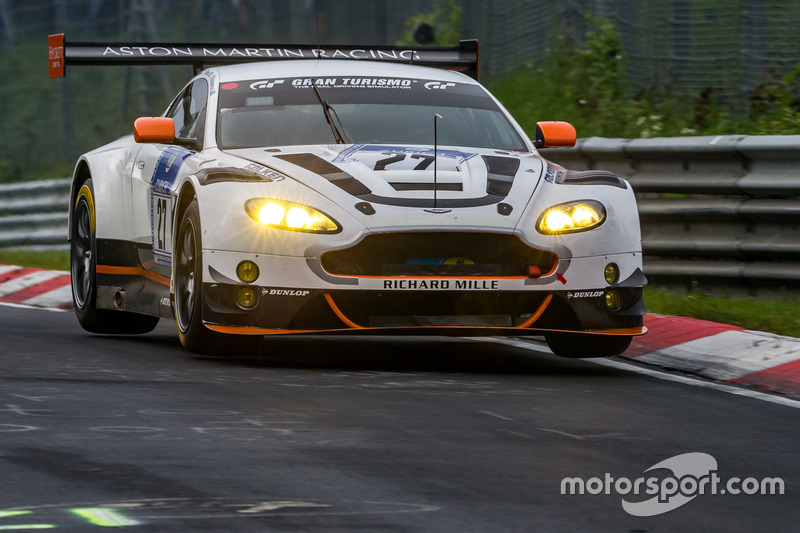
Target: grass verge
(780, 316)
(49, 259)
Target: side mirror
(154, 130)
(553, 134)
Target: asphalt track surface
(378, 435)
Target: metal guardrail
(720, 213)
(34, 213)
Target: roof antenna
(436, 117)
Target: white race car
(368, 195)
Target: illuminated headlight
(290, 216)
(571, 217)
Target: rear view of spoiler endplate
(462, 58)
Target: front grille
(438, 254)
(438, 308)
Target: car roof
(333, 67)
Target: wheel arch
(185, 196)
(186, 193)
(79, 177)
(111, 192)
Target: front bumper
(464, 312)
(481, 291)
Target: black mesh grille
(438, 254)
(438, 308)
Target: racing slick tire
(194, 335)
(83, 275)
(581, 345)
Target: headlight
(571, 217)
(290, 216)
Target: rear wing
(462, 58)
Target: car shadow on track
(373, 353)
(429, 354)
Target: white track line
(722, 387)
(22, 306)
(739, 391)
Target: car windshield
(282, 112)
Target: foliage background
(627, 68)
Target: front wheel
(582, 345)
(188, 256)
(83, 274)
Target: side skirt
(124, 281)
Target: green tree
(445, 20)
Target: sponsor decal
(258, 52)
(320, 82)
(351, 83)
(550, 175)
(441, 284)
(272, 175)
(55, 53)
(148, 51)
(284, 292)
(265, 84)
(584, 294)
(434, 85)
(228, 86)
(161, 184)
(167, 167)
(189, 51)
(365, 54)
(166, 302)
(348, 155)
(213, 81)
(358, 82)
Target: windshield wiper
(339, 130)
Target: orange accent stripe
(428, 277)
(133, 271)
(528, 323)
(544, 275)
(339, 313)
(638, 330)
(246, 330)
